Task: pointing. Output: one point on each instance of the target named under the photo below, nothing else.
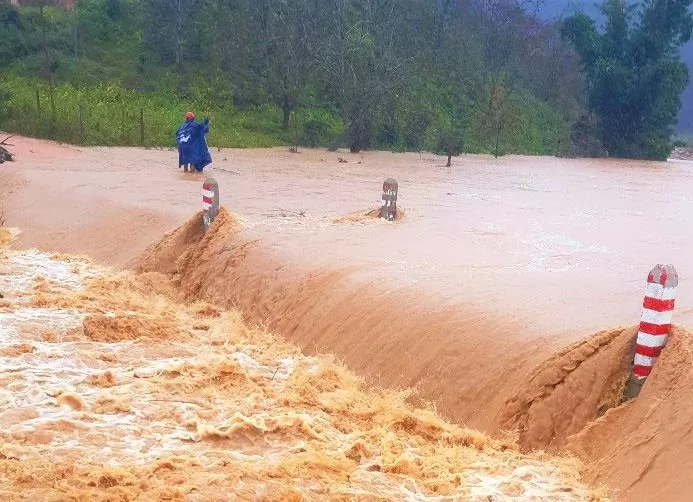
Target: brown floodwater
(556, 247)
(567, 243)
(495, 264)
(563, 244)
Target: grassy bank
(110, 115)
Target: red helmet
(189, 116)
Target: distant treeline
(449, 76)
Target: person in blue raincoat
(192, 144)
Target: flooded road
(562, 247)
(496, 264)
(565, 245)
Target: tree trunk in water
(449, 164)
(296, 129)
(354, 135)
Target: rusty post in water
(655, 323)
(388, 210)
(210, 201)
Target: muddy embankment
(570, 402)
(393, 337)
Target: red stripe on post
(648, 351)
(658, 305)
(642, 371)
(651, 333)
(668, 278)
(654, 329)
(208, 200)
(662, 276)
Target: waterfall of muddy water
(572, 400)
(390, 334)
(106, 395)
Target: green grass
(109, 115)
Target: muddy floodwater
(493, 266)
(562, 245)
(506, 292)
(565, 245)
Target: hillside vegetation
(449, 76)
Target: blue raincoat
(192, 144)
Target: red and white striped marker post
(655, 323)
(210, 201)
(388, 210)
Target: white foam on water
(133, 420)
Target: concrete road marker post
(210, 201)
(655, 324)
(388, 210)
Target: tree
(286, 29)
(13, 43)
(634, 73)
(391, 71)
(166, 27)
(450, 143)
(358, 62)
(48, 63)
(496, 109)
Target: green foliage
(680, 140)
(15, 39)
(320, 128)
(110, 115)
(634, 73)
(479, 76)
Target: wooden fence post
(141, 126)
(80, 118)
(122, 128)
